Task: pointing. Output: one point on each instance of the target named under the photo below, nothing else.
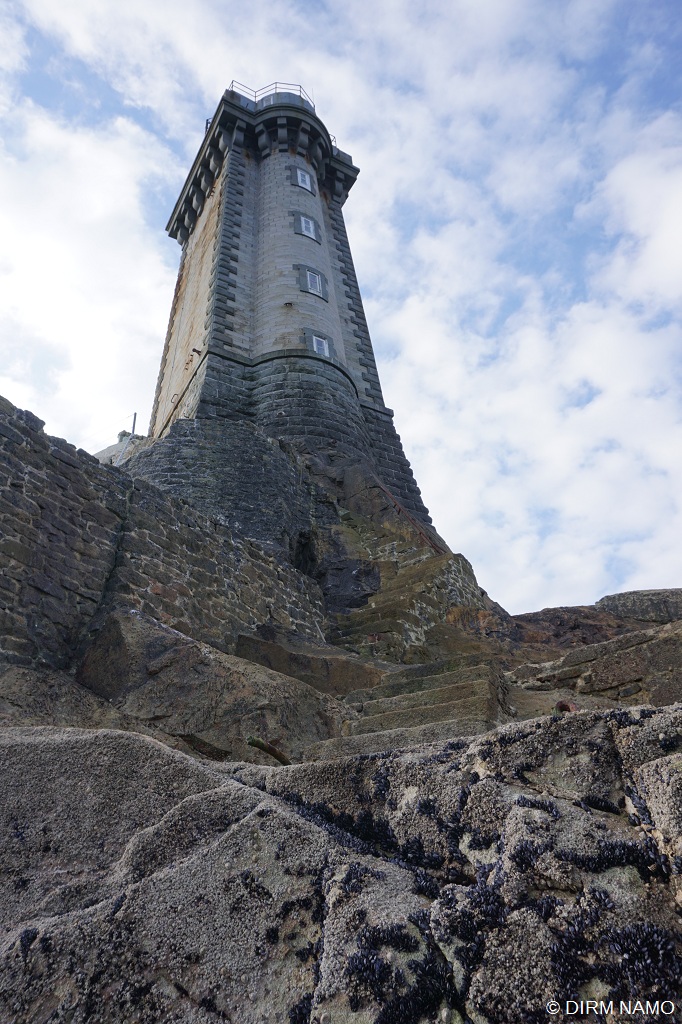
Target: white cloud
(87, 288)
(642, 199)
(13, 48)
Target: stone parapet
(281, 126)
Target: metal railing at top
(255, 95)
(258, 94)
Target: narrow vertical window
(314, 282)
(304, 179)
(320, 344)
(306, 225)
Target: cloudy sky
(516, 230)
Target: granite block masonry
(78, 539)
(267, 323)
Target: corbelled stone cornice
(279, 122)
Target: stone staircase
(419, 704)
(389, 705)
(388, 543)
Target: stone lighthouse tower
(267, 324)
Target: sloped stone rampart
(77, 537)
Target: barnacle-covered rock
(470, 880)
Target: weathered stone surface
(415, 595)
(471, 880)
(212, 701)
(570, 627)
(660, 782)
(47, 697)
(325, 668)
(639, 667)
(646, 605)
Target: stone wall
(231, 469)
(59, 539)
(306, 398)
(189, 571)
(79, 538)
(392, 465)
(226, 389)
(310, 400)
(302, 397)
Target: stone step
(397, 684)
(323, 667)
(478, 706)
(395, 739)
(389, 618)
(434, 668)
(426, 696)
(396, 593)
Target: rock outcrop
(469, 880)
(646, 605)
(213, 702)
(644, 666)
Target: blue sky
(515, 229)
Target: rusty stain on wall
(187, 332)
